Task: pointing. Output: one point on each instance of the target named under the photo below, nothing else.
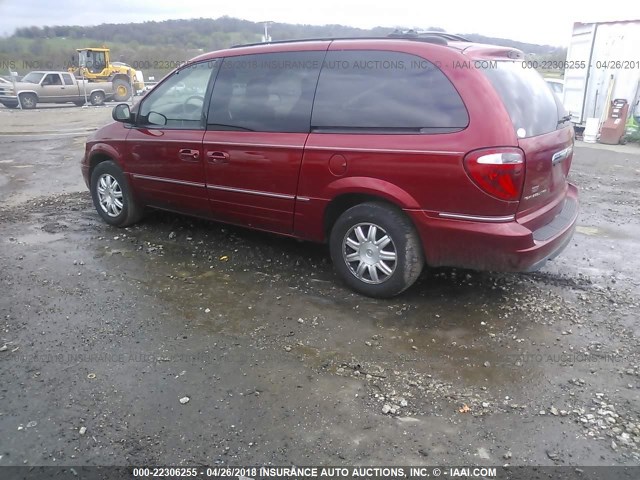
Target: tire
(121, 90)
(79, 103)
(28, 101)
(383, 277)
(96, 98)
(112, 196)
(10, 105)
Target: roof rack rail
(277, 42)
(426, 33)
(439, 38)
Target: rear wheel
(376, 250)
(121, 90)
(112, 196)
(97, 98)
(28, 100)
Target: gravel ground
(184, 342)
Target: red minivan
(396, 151)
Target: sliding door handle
(218, 157)
(189, 154)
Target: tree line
(155, 47)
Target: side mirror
(155, 118)
(121, 113)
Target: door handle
(189, 154)
(218, 157)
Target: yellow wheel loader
(94, 64)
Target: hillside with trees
(156, 47)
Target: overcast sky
(535, 21)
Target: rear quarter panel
(423, 171)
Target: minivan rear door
(543, 131)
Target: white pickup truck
(53, 87)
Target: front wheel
(28, 101)
(112, 196)
(97, 98)
(376, 250)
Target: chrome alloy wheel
(369, 253)
(110, 195)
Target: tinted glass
(33, 77)
(67, 79)
(52, 79)
(533, 107)
(270, 92)
(386, 91)
(180, 98)
(96, 61)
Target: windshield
(33, 77)
(533, 108)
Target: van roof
(433, 39)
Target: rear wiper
(566, 118)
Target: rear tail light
(497, 171)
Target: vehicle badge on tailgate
(561, 155)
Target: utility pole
(82, 64)
(266, 37)
(13, 80)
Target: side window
(271, 92)
(385, 92)
(96, 61)
(67, 79)
(52, 79)
(178, 101)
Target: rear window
(532, 106)
(385, 92)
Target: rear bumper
(506, 246)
